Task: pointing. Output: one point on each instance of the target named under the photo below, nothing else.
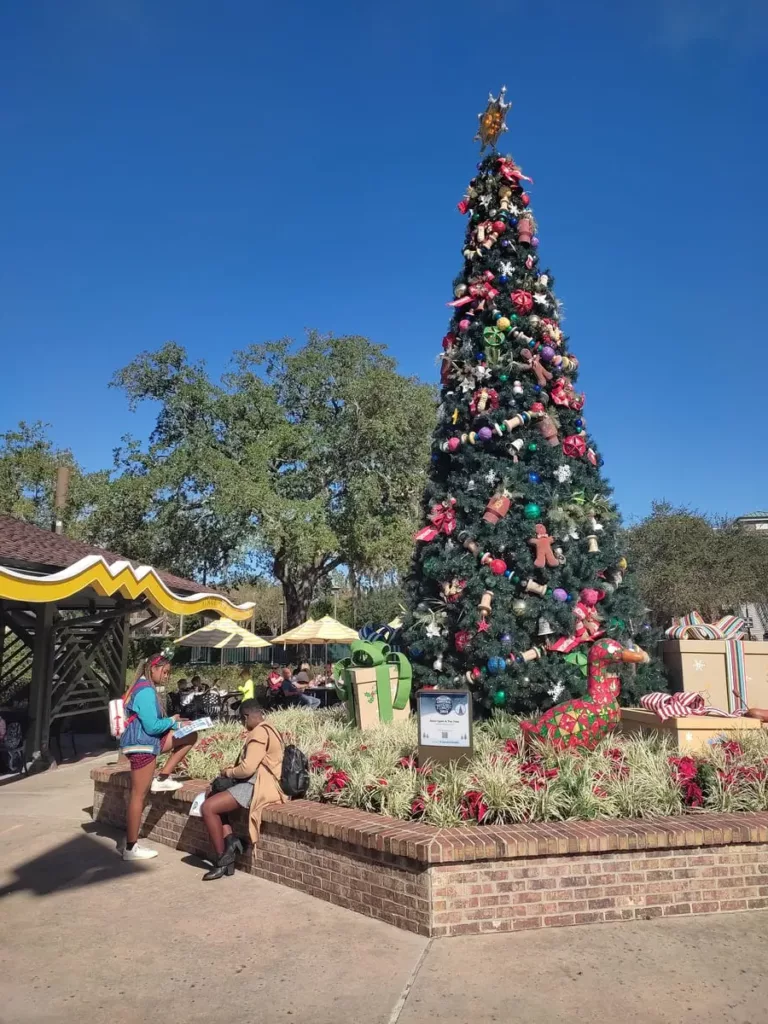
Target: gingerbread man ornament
(542, 542)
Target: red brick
(559, 920)
(733, 904)
(705, 908)
(677, 908)
(589, 918)
(757, 904)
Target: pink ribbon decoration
(509, 170)
(562, 393)
(480, 289)
(679, 705)
(443, 520)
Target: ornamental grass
(505, 782)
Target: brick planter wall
(459, 881)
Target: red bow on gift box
(443, 520)
(480, 289)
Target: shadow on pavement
(72, 865)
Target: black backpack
(294, 774)
(294, 777)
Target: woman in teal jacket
(147, 734)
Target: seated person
(293, 689)
(274, 680)
(186, 693)
(246, 686)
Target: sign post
(445, 725)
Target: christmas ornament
(534, 478)
(532, 446)
(506, 640)
(485, 605)
(522, 301)
(503, 323)
(483, 626)
(517, 387)
(437, 664)
(592, 546)
(443, 520)
(492, 120)
(574, 446)
(498, 566)
(583, 723)
(532, 587)
(525, 230)
(545, 627)
(499, 698)
(496, 665)
(542, 543)
(496, 509)
(461, 640)
(519, 606)
(563, 474)
(452, 590)
(560, 595)
(532, 510)
(484, 399)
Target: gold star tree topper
(492, 123)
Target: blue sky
(220, 174)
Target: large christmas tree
(519, 566)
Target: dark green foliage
(473, 473)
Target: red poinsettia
(336, 782)
(419, 804)
(536, 775)
(511, 748)
(320, 761)
(473, 805)
(684, 772)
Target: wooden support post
(40, 689)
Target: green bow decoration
(377, 655)
(579, 658)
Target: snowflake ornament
(482, 372)
(486, 200)
(506, 268)
(563, 474)
(491, 477)
(556, 690)
(433, 629)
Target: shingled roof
(24, 546)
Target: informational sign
(445, 725)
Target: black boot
(233, 843)
(225, 865)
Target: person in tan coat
(257, 783)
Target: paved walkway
(86, 937)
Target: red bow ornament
(562, 393)
(509, 170)
(479, 292)
(443, 520)
(522, 301)
(574, 446)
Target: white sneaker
(165, 785)
(139, 853)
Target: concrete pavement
(84, 936)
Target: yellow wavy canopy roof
(119, 578)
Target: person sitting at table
(246, 685)
(293, 689)
(274, 680)
(257, 774)
(186, 692)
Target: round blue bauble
(506, 640)
(513, 220)
(480, 357)
(578, 424)
(496, 665)
(534, 478)
(503, 278)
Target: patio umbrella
(297, 635)
(330, 631)
(222, 634)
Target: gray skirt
(243, 792)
